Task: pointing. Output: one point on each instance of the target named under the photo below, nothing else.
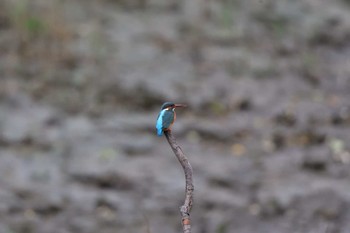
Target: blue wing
(164, 121)
(159, 124)
(168, 119)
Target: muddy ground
(266, 131)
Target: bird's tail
(159, 132)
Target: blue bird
(166, 117)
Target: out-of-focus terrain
(267, 129)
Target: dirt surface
(266, 131)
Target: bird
(166, 117)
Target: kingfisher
(166, 117)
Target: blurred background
(266, 131)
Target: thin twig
(187, 206)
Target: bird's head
(171, 105)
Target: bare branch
(187, 206)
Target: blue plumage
(164, 120)
(166, 117)
(159, 124)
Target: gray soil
(266, 131)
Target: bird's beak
(180, 105)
